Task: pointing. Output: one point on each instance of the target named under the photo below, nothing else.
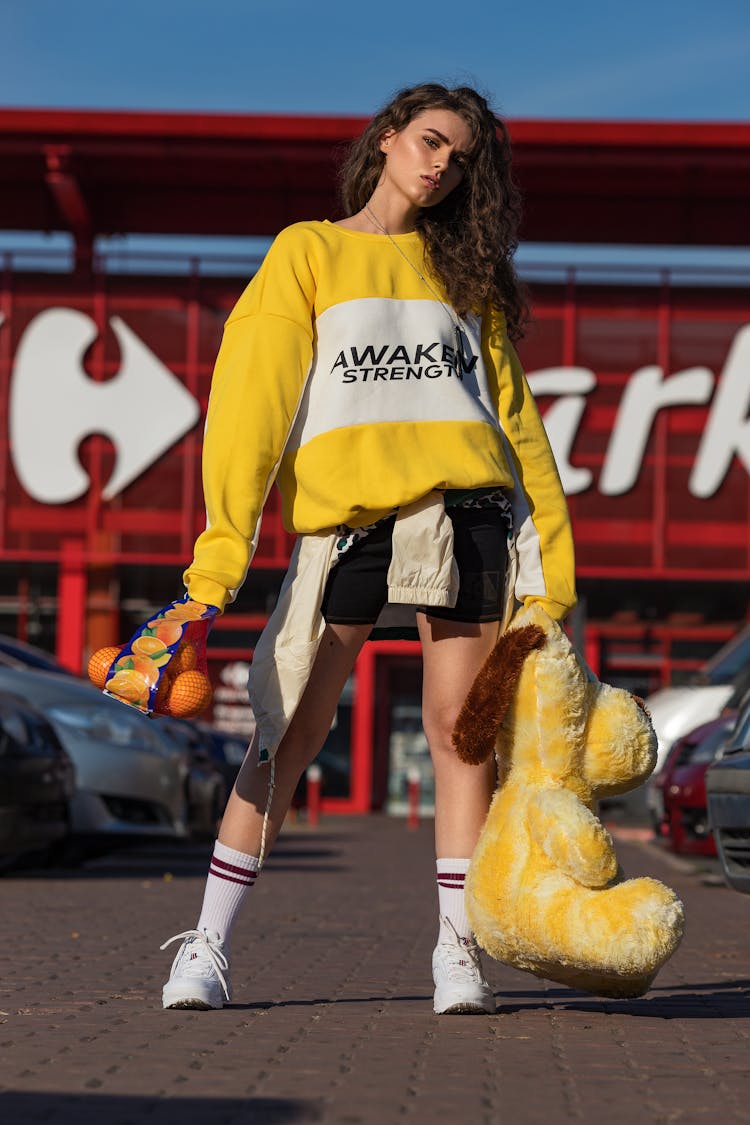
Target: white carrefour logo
(143, 409)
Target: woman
(368, 368)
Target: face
(426, 160)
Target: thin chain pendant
(460, 350)
(461, 364)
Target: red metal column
(362, 729)
(71, 604)
(192, 496)
(661, 431)
(6, 309)
(593, 649)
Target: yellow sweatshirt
(340, 376)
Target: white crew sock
(451, 874)
(230, 877)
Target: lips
(431, 182)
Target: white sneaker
(460, 987)
(199, 977)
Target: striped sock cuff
(234, 866)
(454, 880)
(451, 873)
(232, 874)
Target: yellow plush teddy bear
(544, 892)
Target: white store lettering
(563, 418)
(55, 414)
(647, 392)
(726, 433)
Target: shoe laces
(209, 958)
(461, 954)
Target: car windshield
(740, 739)
(21, 655)
(708, 748)
(725, 665)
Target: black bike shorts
(357, 587)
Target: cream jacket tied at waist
(422, 572)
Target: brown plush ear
(489, 696)
(641, 703)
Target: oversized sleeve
(544, 539)
(257, 383)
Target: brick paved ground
(332, 1018)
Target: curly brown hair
(471, 236)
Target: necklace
(457, 328)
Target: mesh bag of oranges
(162, 667)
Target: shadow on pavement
(697, 987)
(121, 1109)
(144, 861)
(318, 1001)
(718, 1004)
(720, 1000)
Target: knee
(439, 722)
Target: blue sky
(646, 60)
(655, 60)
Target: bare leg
(452, 653)
(242, 825)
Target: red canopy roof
(102, 172)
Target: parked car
(227, 750)
(37, 780)
(677, 794)
(205, 788)
(676, 710)
(130, 779)
(728, 792)
(19, 654)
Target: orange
(130, 686)
(193, 610)
(184, 659)
(167, 631)
(148, 665)
(190, 695)
(148, 646)
(186, 611)
(161, 704)
(100, 663)
(148, 668)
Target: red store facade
(643, 379)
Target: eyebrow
(445, 140)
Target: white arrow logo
(144, 409)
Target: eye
(460, 161)
(431, 142)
